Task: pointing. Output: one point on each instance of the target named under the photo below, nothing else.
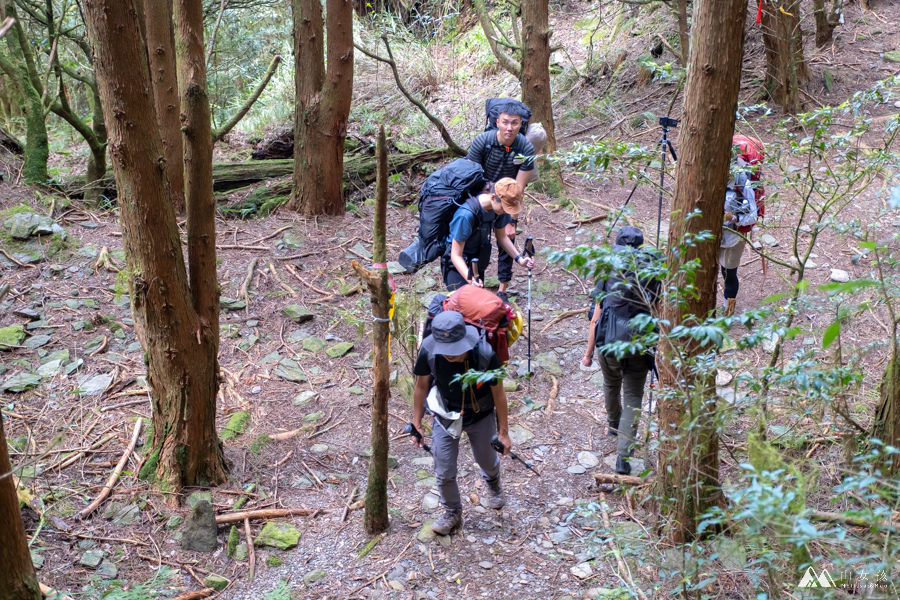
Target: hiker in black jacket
(505, 152)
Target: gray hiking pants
(630, 383)
(446, 452)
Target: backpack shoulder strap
(428, 347)
(483, 352)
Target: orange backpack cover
(484, 310)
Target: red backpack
(751, 151)
(481, 309)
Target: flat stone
(27, 313)
(305, 397)
(339, 349)
(198, 497)
(318, 448)
(314, 576)
(313, 417)
(426, 483)
(50, 369)
(588, 460)
(216, 582)
(36, 341)
(174, 522)
(289, 369)
(96, 385)
(840, 276)
(581, 571)
(241, 552)
(108, 570)
(313, 344)
(510, 385)
(226, 303)
(362, 250)
(396, 585)
(597, 379)
(298, 313)
(423, 461)
(892, 56)
(549, 361)
(426, 535)
(430, 501)
(20, 383)
(92, 558)
(443, 540)
(770, 341)
(199, 533)
(60, 355)
(576, 470)
(37, 560)
(122, 514)
(278, 535)
(723, 377)
(768, 240)
(486, 565)
(24, 225)
(395, 268)
(11, 336)
(519, 435)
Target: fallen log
(266, 513)
(359, 171)
(619, 479)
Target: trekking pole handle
(498, 447)
(529, 246)
(410, 429)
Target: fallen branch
(49, 592)
(99, 348)
(241, 247)
(271, 235)
(554, 392)
(21, 264)
(565, 315)
(349, 502)
(245, 287)
(281, 281)
(310, 471)
(293, 271)
(828, 517)
(76, 457)
(130, 402)
(587, 220)
(266, 513)
(107, 489)
(180, 565)
(250, 547)
(205, 592)
(321, 431)
(619, 479)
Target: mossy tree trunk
(536, 67)
(159, 35)
(688, 463)
(323, 104)
(887, 414)
(783, 42)
(179, 336)
(826, 20)
(16, 66)
(376, 517)
(18, 580)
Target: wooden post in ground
(376, 516)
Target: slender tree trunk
(179, 341)
(536, 67)
(684, 32)
(783, 41)
(887, 414)
(826, 21)
(376, 518)
(509, 63)
(37, 146)
(323, 104)
(159, 34)
(18, 580)
(687, 470)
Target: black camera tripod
(665, 146)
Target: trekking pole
(529, 252)
(410, 429)
(496, 445)
(473, 267)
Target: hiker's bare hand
(420, 440)
(507, 443)
(477, 283)
(529, 262)
(587, 360)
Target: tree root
(281, 283)
(107, 489)
(105, 260)
(245, 287)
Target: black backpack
(631, 298)
(444, 191)
(493, 106)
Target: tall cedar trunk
(159, 35)
(684, 32)
(96, 167)
(179, 342)
(785, 65)
(376, 518)
(536, 66)
(887, 414)
(18, 580)
(826, 21)
(688, 459)
(323, 104)
(37, 145)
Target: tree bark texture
(688, 453)
(160, 41)
(376, 517)
(18, 580)
(323, 104)
(37, 145)
(684, 32)
(177, 340)
(826, 20)
(887, 414)
(783, 41)
(536, 92)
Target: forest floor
(535, 547)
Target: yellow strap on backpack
(515, 329)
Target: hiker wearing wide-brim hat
(453, 348)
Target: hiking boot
(503, 296)
(613, 428)
(494, 496)
(450, 520)
(622, 466)
(729, 306)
